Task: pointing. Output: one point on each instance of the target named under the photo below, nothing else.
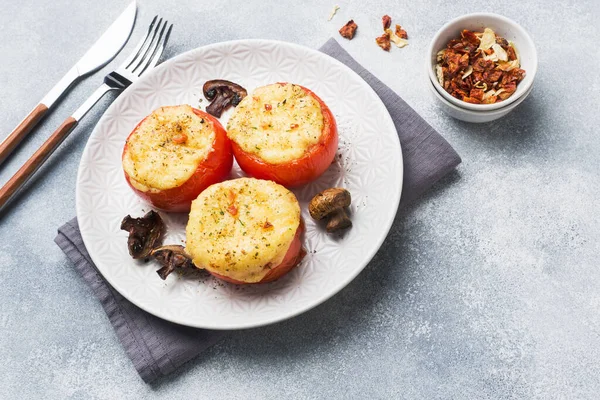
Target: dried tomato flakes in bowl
(506, 29)
(479, 67)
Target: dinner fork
(144, 57)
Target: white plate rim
(318, 300)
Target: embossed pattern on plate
(369, 164)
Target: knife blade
(101, 52)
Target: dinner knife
(104, 50)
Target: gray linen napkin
(157, 347)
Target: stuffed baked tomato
(283, 132)
(245, 231)
(175, 153)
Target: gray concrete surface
(486, 288)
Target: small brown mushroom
(331, 203)
(222, 94)
(171, 257)
(144, 233)
(338, 220)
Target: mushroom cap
(337, 221)
(171, 257)
(212, 87)
(222, 94)
(144, 233)
(328, 201)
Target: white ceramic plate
(369, 164)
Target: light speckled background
(486, 288)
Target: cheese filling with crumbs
(242, 228)
(277, 123)
(167, 147)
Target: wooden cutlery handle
(36, 161)
(16, 136)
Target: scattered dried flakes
(508, 65)
(440, 55)
(386, 20)
(479, 67)
(469, 38)
(491, 57)
(401, 32)
(500, 52)
(488, 38)
(491, 95)
(383, 41)
(472, 100)
(512, 53)
(396, 39)
(349, 30)
(468, 72)
(333, 12)
(480, 85)
(440, 74)
(515, 52)
(398, 36)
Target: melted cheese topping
(241, 228)
(166, 148)
(277, 122)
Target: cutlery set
(143, 58)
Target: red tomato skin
(300, 171)
(215, 168)
(292, 258)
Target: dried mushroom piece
(144, 233)
(349, 30)
(338, 220)
(222, 94)
(171, 257)
(331, 203)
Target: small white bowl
(504, 27)
(469, 115)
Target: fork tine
(147, 49)
(158, 50)
(138, 49)
(155, 46)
